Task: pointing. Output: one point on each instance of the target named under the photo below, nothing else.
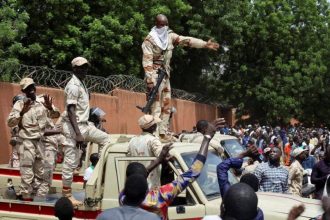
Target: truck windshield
(208, 180)
(232, 147)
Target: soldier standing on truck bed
(147, 145)
(31, 116)
(157, 53)
(76, 127)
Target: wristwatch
(208, 136)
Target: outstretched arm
(223, 167)
(193, 42)
(169, 191)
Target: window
(208, 180)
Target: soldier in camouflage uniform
(157, 53)
(75, 125)
(147, 145)
(15, 140)
(31, 115)
(51, 140)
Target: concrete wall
(122, 115)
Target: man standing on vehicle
(31, 115)
(271, 175)
(157, 53)
(147, 145)
(76, 127)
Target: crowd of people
(299, 152)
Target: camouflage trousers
(32, 169)
(161, 106)
(49, 165)
(71, 152)
(14, 157)
(51, 144)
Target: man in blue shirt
(235, 163)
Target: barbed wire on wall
(44, 76)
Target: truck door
(186, 206)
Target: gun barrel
(153, 94)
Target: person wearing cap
(147, 145)
(157, 50)
(31, 116)
(75, 125)
(15, 140)
(296, 171)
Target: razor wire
(48, 77)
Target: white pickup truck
(102, 190)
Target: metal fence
(44, 76)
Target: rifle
(153, 93)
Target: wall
(122, 115)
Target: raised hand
(251, 151)
(48, 102)
(210, 130)
(212, 45)
(164, 155)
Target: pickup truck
(102, 190)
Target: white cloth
(88, 173)
(160, 36)
(211, 217)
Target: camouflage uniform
(153, 58)
(76, 93)
(16, 142)
(147, 145)
(51, 144)
(32, 126)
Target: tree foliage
(277, 67)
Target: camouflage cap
(146, 121)
(25, 82)
(79, 61)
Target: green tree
(276, 69)
(13, 27)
